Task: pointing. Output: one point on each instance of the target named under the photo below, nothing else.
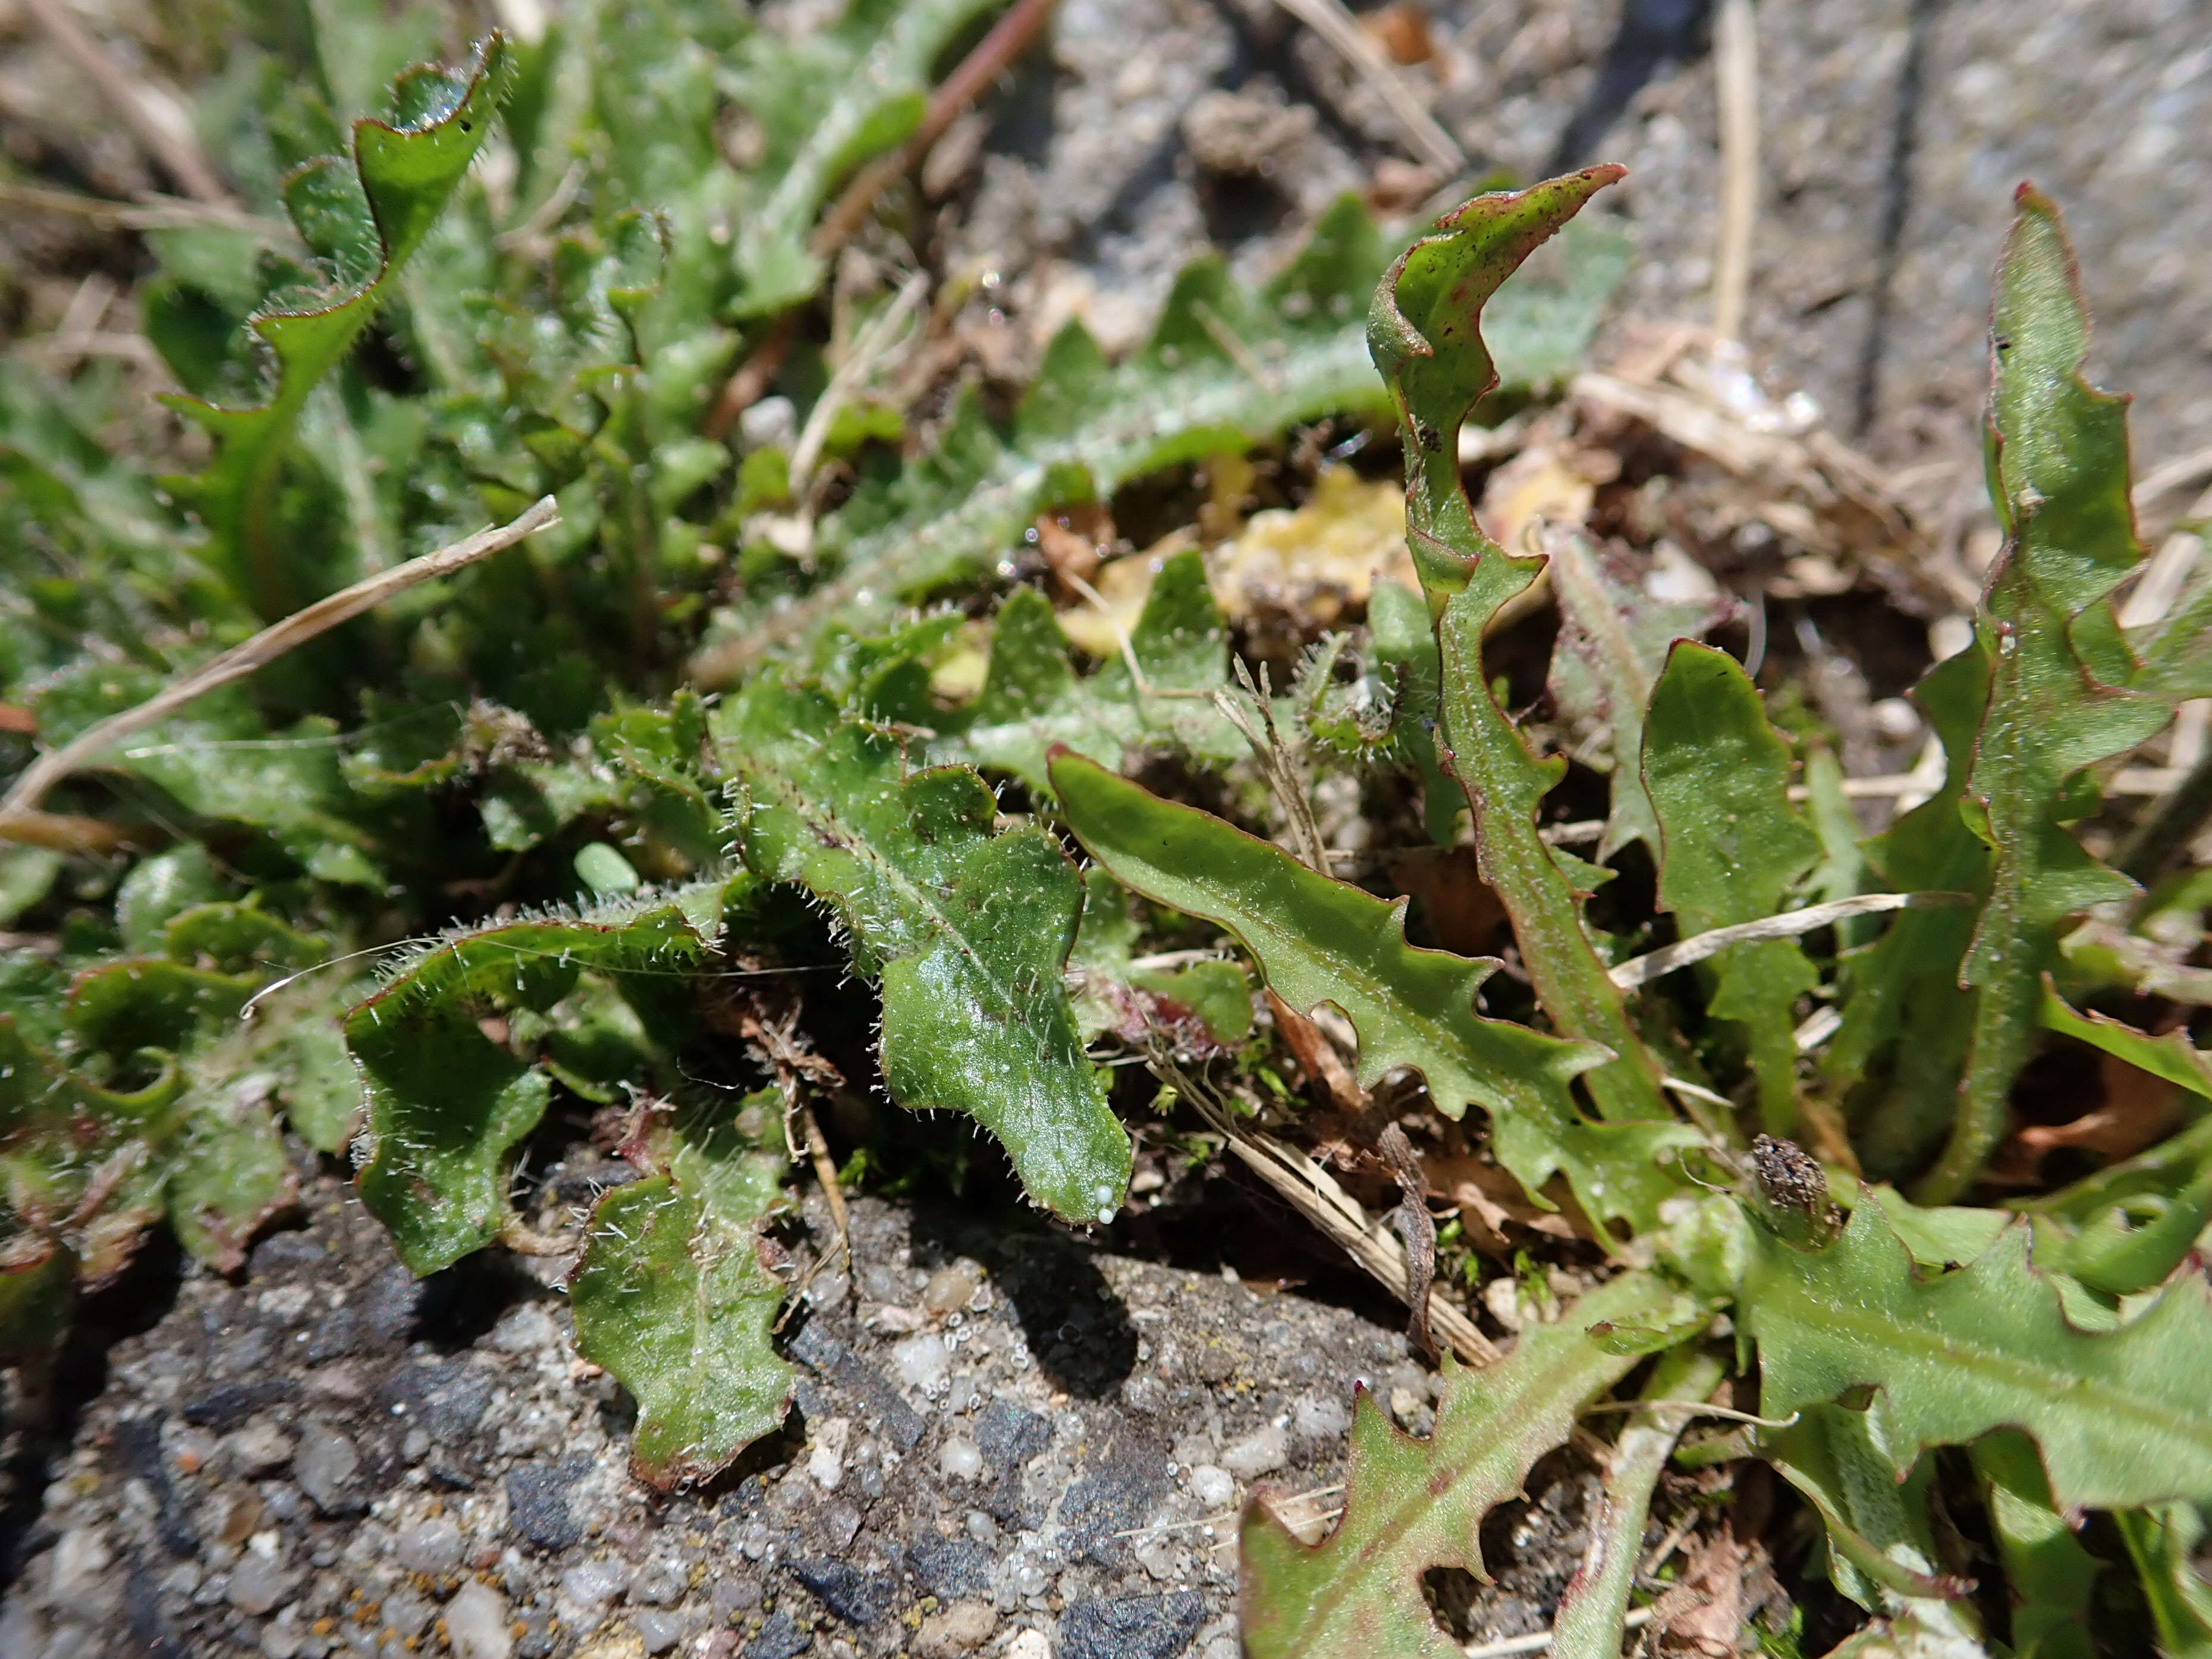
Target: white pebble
(1264, 1451)
(960, 1458)
(1320, 1417)
(476, 1623)
(923, 1362)
(1214, 1487)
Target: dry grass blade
(19, 813)
(168, 143)
(1329, 19)
(1642, 970)
(1315, 1193)
(1735, 68)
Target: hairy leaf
(1410, 1506)
(1426, 335)
(2052, 1576)
(1032, 698)
(2120, 1416)
(1881, 1544)
(671, 1294)
(1732, 847)
(448, 1099)
(2058, 471)
(1319, 940)
(2163, 1543)
(968, 930)
(1906, 1019)
(365, 217)
(1612, 646)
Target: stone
(477, 1623)
(1131, 1627)
(1320, 1417)
(326, 1467)
(537, 1505)
(260, 1582)
(1010, 1436)
(960, 1458)
(952, 1289)
(1030, 1644)
(259, 1447)
(923, 1362)
(1263, 1451)
(1213, 1486)
(80, 1562)
(658, 1583)
(961, 1628)
(949, 1568)
(525, 1329)
(431, 1546)
(731, 1597)
(657, 1631)
(779, 1638)
(407, 1614)
(825, 1458)
(856, 1597)
(592, 1584)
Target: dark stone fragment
(816, 1347)
(138, 1449)
(151, 1634)
(227, 1405)
(286, 1252)
(779, 1638)
(448, 1399)
(336, 1333)
(538, 1504)
(1109, 1501)
(950, 1569)
(1010, 1436)
(1131, 1627)
(856, 1597)
(388, 1304)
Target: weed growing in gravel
(224, 926)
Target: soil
(325, 1457)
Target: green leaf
(1403, 642)
(967, 929)
(1426, 335)
(2050, 1575)
(2163, 1543)
(1907, 1020)
(2058, 472)
(671, 1294)
(1319, 940)
(2120, 1418)
(1032, 699)
(1612, 643)
(1227, 368)
(447, 1101)
(2172, 1057)
(1732, 847)
(826, 101)
(367, 218)
(1410, 1506)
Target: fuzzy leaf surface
(1426, 335)
(1033, 699)
(2051, 1577)
(2058, 471)
(2121, 1418)
(671, 1294)
(1410, 1505)
(969, 930)
(1320, 940)
(1732, 847)
(366, 217)
(447, 1102)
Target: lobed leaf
(448, 1100)
(2120, 1416)
(2058, 471)
(671, 1296)
(1410, 1506)
(1731, 847)
(1426, 335)
(366, 218)
(2053, 1578)
(967, 927)
(1320, 940)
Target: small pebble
(960, 1458)
(525, 1329)
(961, 1628)
(476, 1623)
(951, 1289)
(1264, 1451)
(658, 1583)
(592, 1584)
(430, 1546)
(1320, 1417)
(79, 1563)
(825, 1463)
(258, 1583)
(732, 1596)
(324, 1466)
(259, 1447)
(922, 1361)
(1214, 1487)
(980, 1527)
(1030, 1644)
(407, 1614)
(659, 1632)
